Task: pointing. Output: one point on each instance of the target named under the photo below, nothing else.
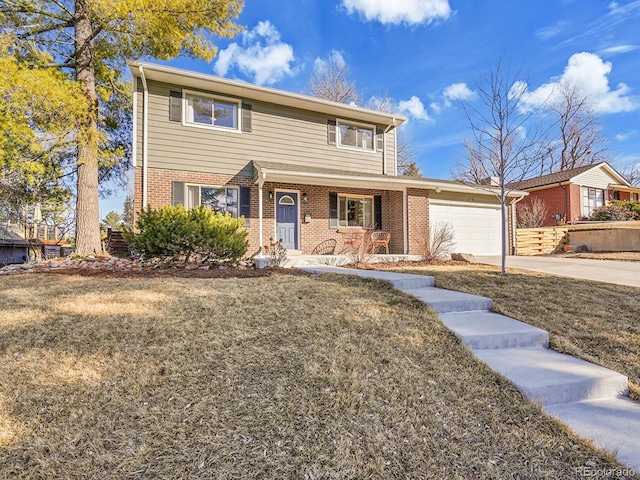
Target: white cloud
(619, 49)
(414, 108)
(621, 137)
(412, 12)
(551, 31)
(321, 64)
(624, 10)
(458, 91)
(261, 55)
(590, 74)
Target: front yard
(282, 377)
(598, 322)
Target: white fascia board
(238, 89)
(392, 183)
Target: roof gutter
(398, 182)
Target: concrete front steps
(590, 399)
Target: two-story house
(296, 167)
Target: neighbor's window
(352, 135)
(634, 197)
(355, 211)
(206, 110)
(218, 199)
(592, 198)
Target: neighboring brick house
(296, 167)
(572, 195)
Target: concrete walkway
(591, 399)
(609, 271)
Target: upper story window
(354, 135)
(218, 199)
(211, 111)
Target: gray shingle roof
(551, 178)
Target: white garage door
(477, 229)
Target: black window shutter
(177, 193)
(333, 210)
(331, 132)
(377, 211)
(246, 117)
(175, 106)
(245, 204)
(379, 139)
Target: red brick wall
(417, 219)
(559, 199)
(317, 206)
(575, 212)
(554, 200)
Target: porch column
(260, 185)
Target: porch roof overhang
(624, 188)
(285, 173)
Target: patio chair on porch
(328, 247)
(380, 239)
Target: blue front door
(287, 219)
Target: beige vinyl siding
(279, 134)
(596, 178)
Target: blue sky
(429, 55)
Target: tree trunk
(87, 206)
(503, 217)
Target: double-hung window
(592, 198)
(210, 111)
(354, 135)
(355, 211)
(218, 199)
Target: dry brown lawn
(597, 321)
(285, 377)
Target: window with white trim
(592, 198)
(354, 135)
(218, 199)
(355, 211)
(205, 110)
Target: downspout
(261, 178)
(566, 204)
(145, 125)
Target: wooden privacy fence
(537, 241)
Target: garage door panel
(476, 229)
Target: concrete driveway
(609, 271)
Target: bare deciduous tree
(631, 172)
(532, 215)
(580, 141)
(332, 83)
(507, 143)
